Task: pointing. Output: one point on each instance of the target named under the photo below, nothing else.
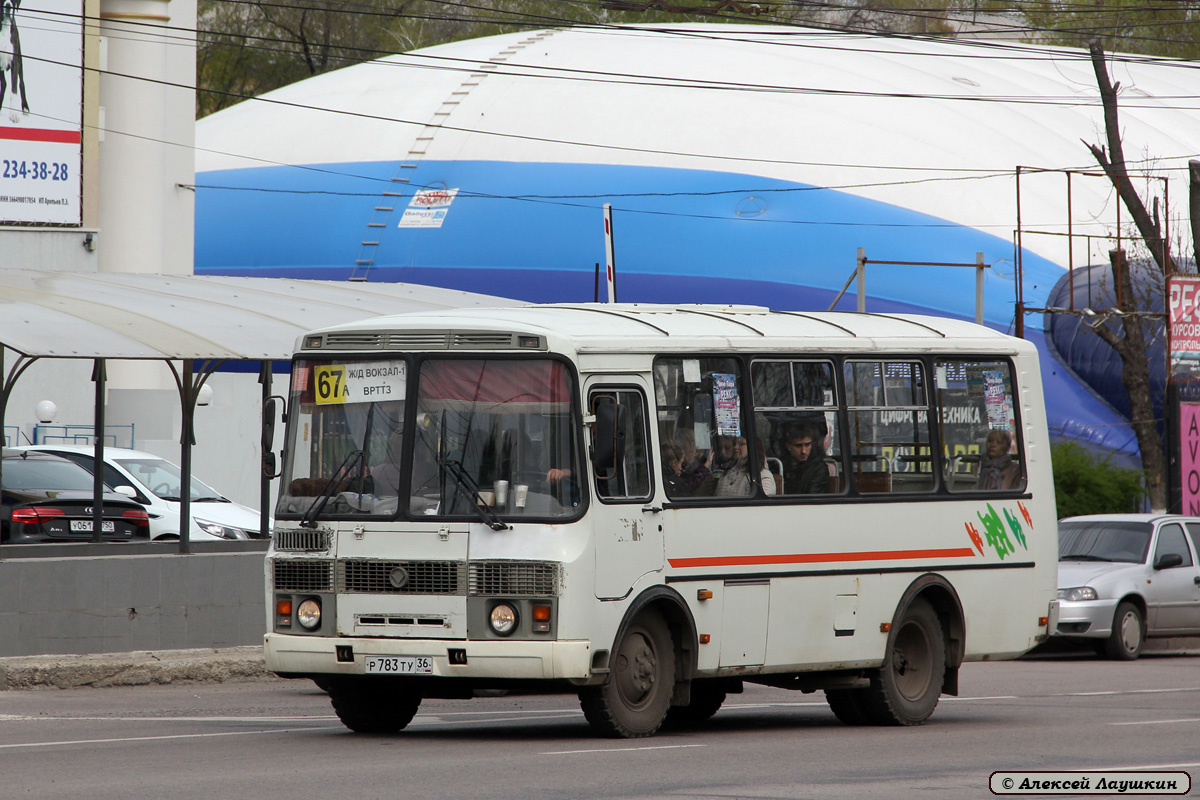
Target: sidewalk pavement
(233, 664)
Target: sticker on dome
(428, 208)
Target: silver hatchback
(1125, 577)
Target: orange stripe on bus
(821, 558)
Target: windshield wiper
(1082, 557)
(464, 484)
(309, 519)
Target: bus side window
(978, 426)
(795, 416)
(626, 476)
(888, 412)
(699, 408)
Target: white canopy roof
(46, 314)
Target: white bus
(652, 505)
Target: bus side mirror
(269, 463)
(608, 437)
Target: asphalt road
(279, 739)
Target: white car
(155, 483)
(1125, 577)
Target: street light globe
(45, 411)
(204, 396)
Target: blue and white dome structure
(743, 163)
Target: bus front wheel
(633, 702)
(907, 687)
(372, 706)
(707, 699)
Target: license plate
(86, 525)
(399, 665)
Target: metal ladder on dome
(400, 180)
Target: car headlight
(217, 529)
(503, 619)
(308, 614)
(1076, 593)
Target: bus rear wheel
(633, 702)
(907, 687)
(851, 706)
(372, 706)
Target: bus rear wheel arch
(924, 650)
(906, 689)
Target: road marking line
(1124, 691)
(27, 718)
(619, 749)
(1157, 721)
(27, 745)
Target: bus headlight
(308, 614)
(503, 619)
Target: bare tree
(1126, 334)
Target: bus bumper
(490, 659)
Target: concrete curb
(235, 664)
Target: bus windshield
(495, 434)
(348, 422)
(493, 437)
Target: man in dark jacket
(804, 469)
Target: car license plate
(86, 525)
(399, 665)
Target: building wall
(78, 604)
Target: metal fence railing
(114, 435)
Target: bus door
(628, 533)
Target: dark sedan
(49, 499)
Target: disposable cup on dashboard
(521, 493)
(501, 494)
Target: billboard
(1183, 320)
(41, 112)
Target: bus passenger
(997, 468)
(694, 466)
(672, 463)
(804, 468)
(735, 480)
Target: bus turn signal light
(283, 613)
(541, 619)
(704, 594)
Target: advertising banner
(41, 112)
(1183, 318)
(1189, 457)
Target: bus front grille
(401, 577)
(303, 575)
(514, 579)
